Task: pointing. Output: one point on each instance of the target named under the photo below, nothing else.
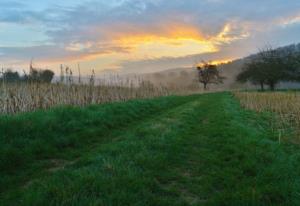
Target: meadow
(149, 103)
(177, 150)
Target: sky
(140, 36)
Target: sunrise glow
(123, 35)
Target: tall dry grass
(25, 97)
(285, 104)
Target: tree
(46, 76)
(208, 74)
(10, 76)
(39, 75)
(252, 72)
(270, 66)
(35, 75)
(291, 62)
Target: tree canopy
(271, 66)
(42, 76)
(10, 76)
(208, 74)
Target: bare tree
(208, 74)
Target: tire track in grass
(41, 167)
(138, 151)
(204, 152)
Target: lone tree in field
(269, 67)
(208, 74)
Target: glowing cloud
(170, 40)
(104, 34)
(173, 40)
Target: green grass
(194, 150)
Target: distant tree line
(35, 75)
(271, 66)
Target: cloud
(134, 31)
(53, 53)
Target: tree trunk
(205, 86)
(262, 86)
(272, 86)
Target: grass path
(197, 150)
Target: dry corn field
(285, 104)
(25, 97)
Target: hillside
(190, 150)
(187, 77)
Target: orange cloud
(126, 42)
(172, 40)
(222, 61)
(175, 40)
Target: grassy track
(196, 150)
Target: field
(285, 106)
(176, 150)
(25, 97)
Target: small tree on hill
(208, 74)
